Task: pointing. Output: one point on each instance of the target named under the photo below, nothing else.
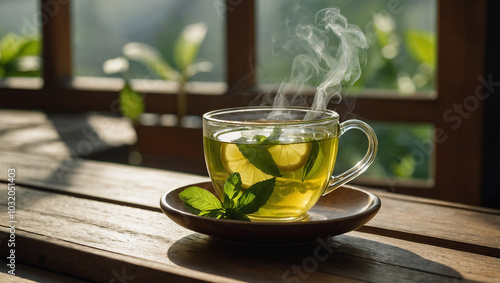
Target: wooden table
(83, 220)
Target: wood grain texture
(89, 238)
(135, 186)
(63, 135)
(28, 274)
(448, 225)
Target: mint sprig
(236, 204)
(314, 160)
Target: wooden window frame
(458, 157)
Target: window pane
(102, 28)
(405, 151)
(20, 23)
(401, 39)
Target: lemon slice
(234, 161)
(290, 157)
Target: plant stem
(181, 101)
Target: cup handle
(361, 166)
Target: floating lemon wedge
(290, 157)
(234, 161)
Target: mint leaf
(256, 196)
(272, 139)
(191, 208)
(259, 156)
(312, 163)
(196, 198)
(238, 215)
(236, 204)
(214, 213)
(260, 138)
(275, 135)
(232, 187)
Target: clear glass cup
(296, 146)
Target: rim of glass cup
(209, 116)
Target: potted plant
(172, 140)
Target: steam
(328, 54)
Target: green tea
(301, 161)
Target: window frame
(458, 79)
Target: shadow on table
(336, 257)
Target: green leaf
(232, 186)
(405, 167)
(272, 139)
(131, 103)
(204, 203)
(256, 196)
(238, 215)
(275, 135)
(383, 37)
(188, 44)
(422, 46)
(260, 138)
(10, 46)
(191, 208)
(214, 213)
(232, 190)
(312, 163)
(31, 47)
(19, 55)
(150, 57)
(258, 155)
(199, 199)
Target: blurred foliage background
(19, 56)
(400, 60)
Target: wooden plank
(488, 272)
(402, 197)
(134, 186)
(141, 187)
(92, 238)
(61, 136)
(97, 265)
(28, 274)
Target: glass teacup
(296, 146)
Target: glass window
(20, 45)
(405, 151)
(401, 36)
(101, 30)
